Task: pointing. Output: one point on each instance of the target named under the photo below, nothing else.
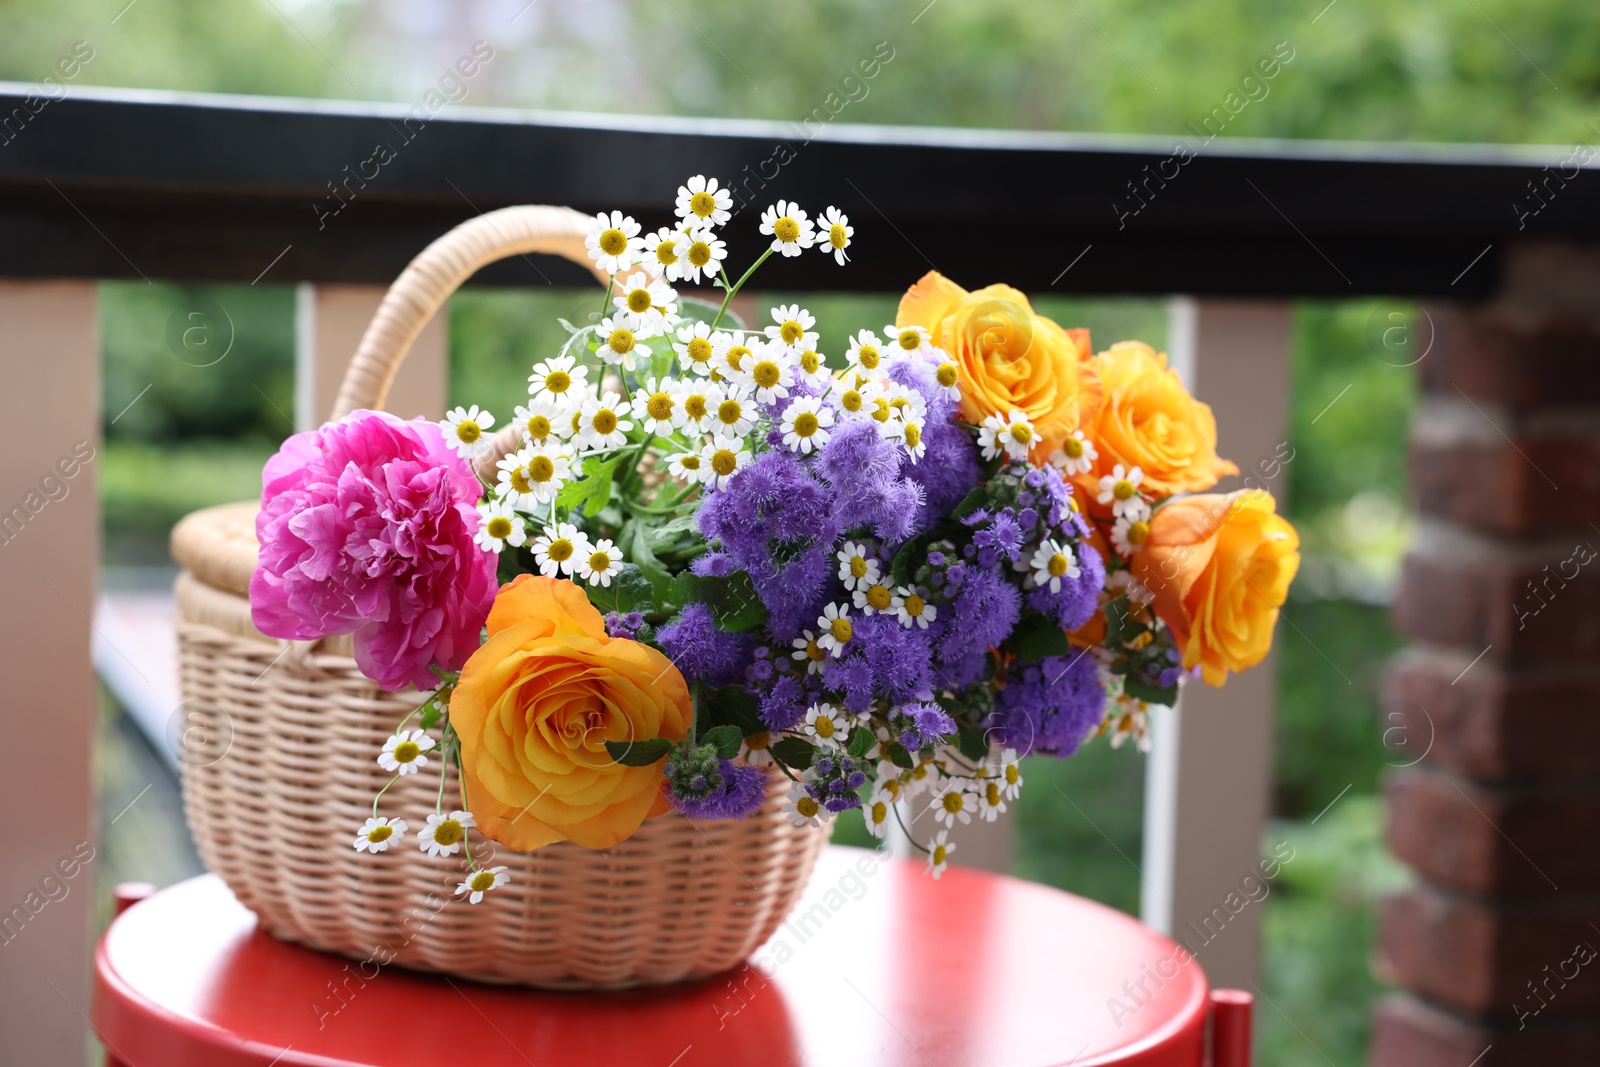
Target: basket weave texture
(279, 765)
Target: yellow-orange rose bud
(1147, 419)
(534, 708)
(1009, 357)
(1220, 567)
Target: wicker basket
(278, 763)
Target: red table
(879, 965)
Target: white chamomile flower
(733, 354)
(833, 234)
(866, 353)
(657, 407)
(948, 375)
(464, 430)
(703, 253)
(543, 421)
(696, 347)
(1051, 563)
(697, 402)
(1129, 534)
(926, 775)
(1128, 719)
(757, 749)
(687, 467)
(790, 230)
(723, 457)
(1076, 454)
(805, 424)
(481, 881)
(810, 367)
(547, 471)
(557, 379)
(620, 344)
(803, 809)
(600, 423)
(512, 486)
(887, 786)
(877, 815)
(769, 372)
(380, 834)
(792, 326)
(648, 304)
(909, 340)
(444, 833)
(1009, 772)
(702, 203)
(850, 398)
(663, 252)
(500, 527)
(809, 651)
(613, 242)
(827, 724)
(837, 630)
(601, 563)
(558, 549)
(908, 431)
(1120, 489)
(728, 410)
(990, 797)
(1011, 435)
(953, 803)
(857, 565)
(873, 598)
(939, 850)
(913, 610)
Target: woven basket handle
(439, 270)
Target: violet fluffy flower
(863, 469)
(733, 791)
(883, 659)
(784, 705)
(919, 726)
(366, 528)
(700, 650)
(1079, 597)
(1049, 706)
(981, 616)
(948, 471)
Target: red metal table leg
(1230, 1027)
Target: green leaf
(898, 755)
(571, 329)
(592, 492)
(639, 753)
(629, 591)
(1036, 637)
(860, 741)
(906, 558)
(1116, 613)
(973, 742)
(731, 598)
(430, 715)
(973, 501)
(793, 752)
(636, 545)
(734, 705)
(725, 739)
(1153, 694)
(668, 532)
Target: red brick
(1489, 959)
(1527, 839)
(1492, 724)
(1488, 356)
(1407, 1032)
(1527, 485)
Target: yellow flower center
(947, 374)
(690, 462)
(469, 431)
(952, 802)
(892, 788)
(600, 561)
(991, 793)
(1138, 532)
(541, 468)
(703, 204)
(519, 480)
(500, 528)
(837, 235)
(824, 727)
(910, 340)
(879, 597)
(881, 411)
(766, 374)
(913, 436)
(724, 462)
(805, 424)
(841, 630)
(1012, 776)
(735, 356)
(699, 253)
(605, 420)
(577, 421)
(667, 253)
(1123, 490)
(868, 357)
(699, 349)
(939, 854)
(659, 405)
(560, 550)
(448, 832)
(815, 652)
(557, 381)
(810, 362)
(1021, 433)
(791, 331)
(758, 742)
(730, 412)
(613, 241)
(1073, 447)
(880, 813)
(914, 605)
(1057, 565)
(858, 566)
(481, 882)
(850, 400)
(380, 833)
(694, 405)
(621, 341)
(786, 229)
(639, 301)
(807, 806)
(538, 427)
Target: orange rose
(1007, 357)
(1220, 567)
(534, 708)
(1147, 419)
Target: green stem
(605, 301)
(737, 286)
(895, 807)
(632, 466)
(379, 797)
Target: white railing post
(1208, 784)
(329, 322)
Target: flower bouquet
(708, 570)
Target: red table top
(880, 965)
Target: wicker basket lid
(218, 545)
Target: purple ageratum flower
(743, 790)
(949, 469)
(920, 726)
(981, 616)
(366, 528)
(714, 565)
(700, 650)
(863, 469)
(774, 499)
(1079, 597)
(1003, 534)
(795, 591)
(624, 626)
(883, 659)
(917, 374)
(1049, 706)
(784, 705)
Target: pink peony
(366, 528)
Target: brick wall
(1497, 946)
